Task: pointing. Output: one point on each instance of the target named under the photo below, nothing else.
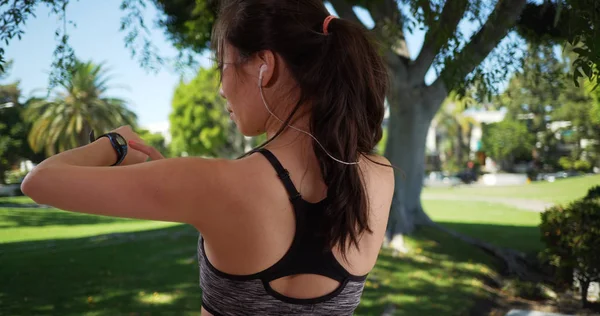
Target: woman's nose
(221, 93)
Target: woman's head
(338, 79)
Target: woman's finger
(148, 150)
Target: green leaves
(80, 105)
(507, 138)
(573, 22)
(199, 122)
(572, 240)
(156, 140)
(13, 130)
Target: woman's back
(290, 228)
(276, 263)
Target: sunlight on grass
(479, 212)
(440, 276)
(18, 224)
(157, 298)
(561, 191)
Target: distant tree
(572, 22)
(542, 93)
(533, 96)
(578, 110)
(156, 140)
(12, 132)
(200, 124)
(505, 140)
(80, 105)
(457, 126)
(13, 128)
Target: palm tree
(80, 106)
(457, 128)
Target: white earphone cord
(297, 129)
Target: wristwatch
(118, 143)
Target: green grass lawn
(62, 263)
(16, 200)
(154, 272)
(441, 276)
(29, 224)
(561, 191)
(496, 223)
(145, 273)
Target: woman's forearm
(99, 153)
(50, 171)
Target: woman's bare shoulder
(379, 169)
(378, 177)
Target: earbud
(263, 68)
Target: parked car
(13, 189)
(467, 176)
(551, 177)
(437, 178)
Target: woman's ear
(267, 64)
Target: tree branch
(437, 35)
(503, 17)
(345, 11)
(385, 9)
(389, 24)
(383, 13)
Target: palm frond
(80, 104)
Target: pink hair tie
(326, 24)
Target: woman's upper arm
(157, 190)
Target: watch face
(121, 141)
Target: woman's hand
(137, 151)
(150, 151)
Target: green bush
(582, 165)
(14, 176)
(593, 193)
(572, 238)
(565, 163)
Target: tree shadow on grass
(526, 239)
(441, 276)
(145, 273)
(38, 217)
(155, 273)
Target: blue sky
(97, 38)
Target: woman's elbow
(32, 185)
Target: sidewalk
(518, 312)
(523, 204)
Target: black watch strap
(118, 143)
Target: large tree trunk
(411, 112)
(584, 284)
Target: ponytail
(341, 75)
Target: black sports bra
(226, 294)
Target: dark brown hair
(340, 74)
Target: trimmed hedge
(572, 238)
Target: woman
(290, 228)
